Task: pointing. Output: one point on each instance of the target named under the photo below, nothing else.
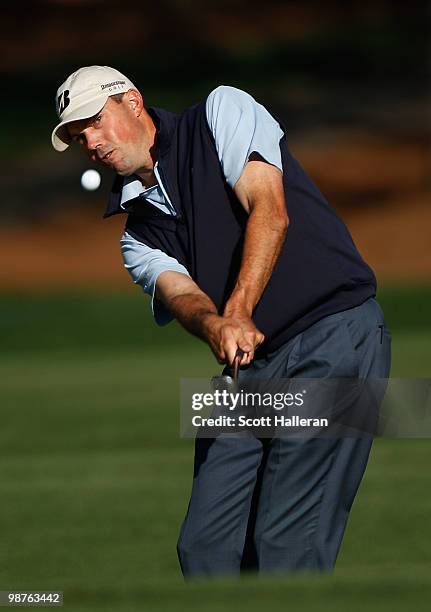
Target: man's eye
(97, 119)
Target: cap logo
(63, 101)
(113, 84)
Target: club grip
(238, 356)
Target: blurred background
(94, 478)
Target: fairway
(95, 478)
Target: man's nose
(93, 140)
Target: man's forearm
(264, 238)
(186, 301)
(194, 312)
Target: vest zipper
(165, 193)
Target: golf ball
(90, 180)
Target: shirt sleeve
(144, 265)
(241, 126)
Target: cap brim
(60, 136)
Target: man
(229, 236)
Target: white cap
(82, 95)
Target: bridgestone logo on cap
(113, 84)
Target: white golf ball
(90, 180)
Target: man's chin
(124, 171)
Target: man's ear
(135, 101)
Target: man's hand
(225, 335)
(237, 315)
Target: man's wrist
(206, 322)
(238, 304)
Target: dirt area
(389, 218)
(395, 240)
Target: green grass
(94, 479)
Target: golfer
(228, 235)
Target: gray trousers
(282, 504)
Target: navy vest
(319, 271)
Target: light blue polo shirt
(240, 126)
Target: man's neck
(147, 177)
(146, 173)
